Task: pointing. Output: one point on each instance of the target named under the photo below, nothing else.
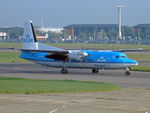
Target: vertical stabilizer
(29, 38)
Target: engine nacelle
(77, 55)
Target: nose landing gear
(128, 71)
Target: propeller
(83, 56)
(78, 55)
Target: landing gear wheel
(127, 73)
(94, 70)
(64, 71)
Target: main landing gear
(127, 71)
(64, 69)
(94, 70)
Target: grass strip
(32, 86)
(82, 45)
(99, 46)
(8, 57)
(10, 45)
(138, 57)
(141, 68)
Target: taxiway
(31, 70)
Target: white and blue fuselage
(95, 59)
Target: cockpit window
(120, 56)
(123, 56)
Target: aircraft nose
(134, 62)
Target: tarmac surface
(127, 100)
(118, 77)
(134, 97)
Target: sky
(60, 13)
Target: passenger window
(117, 56)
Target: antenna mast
(42, 25)
(119, 20)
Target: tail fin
(29, 38)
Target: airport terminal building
(76, 29)
(102, 32)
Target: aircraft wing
(57, 54)
(123, 50)
(128, 50)
(48, 51)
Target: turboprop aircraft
(82, 59)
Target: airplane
(83, 59)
